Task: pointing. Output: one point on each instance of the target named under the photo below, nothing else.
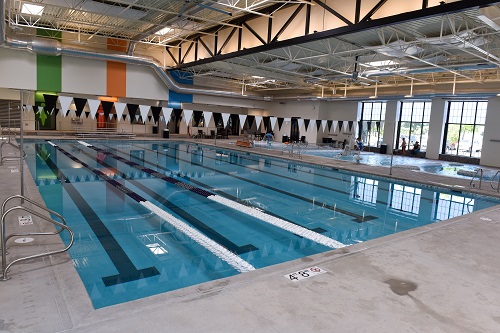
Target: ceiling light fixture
(164, 31)
(31, 9)
(345, 91)
(376, 90)
(411, 90)
(454, 83)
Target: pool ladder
(498, 183)
(4, 237)
(472, 183)
(9, 142)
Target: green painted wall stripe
(49, 68)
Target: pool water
(444, 168)
(125, 251)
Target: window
(414, 123)
(449, 206)
(364, 189)
(406, 198)
(464, 128)
(372, 123)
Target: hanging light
(345, 91)
(411, 90)
(376, 90)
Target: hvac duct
(53, 47)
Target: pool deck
(442, 277)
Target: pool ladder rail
(472, 184)
(60, 226)
(9, 142)
(498, 183)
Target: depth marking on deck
(305, 273)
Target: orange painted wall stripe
(116, 72)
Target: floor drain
(24, 240)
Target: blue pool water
(124, 250)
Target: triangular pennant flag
(124, 116)
(318, 124)
(137, 118)
(187, 116)
(280, 123)
(80, 105)
(28, 108)
(50, 101)
(155, 110)
(242, 117)
(273, 120)
(350, 122)
(323, 124)
(329, 125)
(132, 110)
(258, 120)
(65, 101)
(107, 106)
(300, 122)
(87, 114)
(335, 126)
(167, 112)
(306, 123)
(149, 118)
(341, 123)
(93, 105)
(144, 112)
(111, 117)
(225, 118)
(162, 118)
(119, 108)
(208, 116)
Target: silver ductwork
(53, 47)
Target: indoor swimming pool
(155, 217)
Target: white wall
(17, 69)
(144, 83)
(490, 152)
(83, 76)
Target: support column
(436, 128)
(391, 114)
(491, 137)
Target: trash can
(383, 148)
(285, 138)
(166, 134)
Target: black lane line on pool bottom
(208, 231)
(357, 218)
(127, 271)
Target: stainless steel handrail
(4, 238)
(492, 179)
(5, 158)
(480, 171)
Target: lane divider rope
(218, 250)
(252, 211)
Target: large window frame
(372, 123)
(464, 128)
(413, 124)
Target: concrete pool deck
(438, 278)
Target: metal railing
(13, 145)
(480, 172)
(4, 237)
(498, 183)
